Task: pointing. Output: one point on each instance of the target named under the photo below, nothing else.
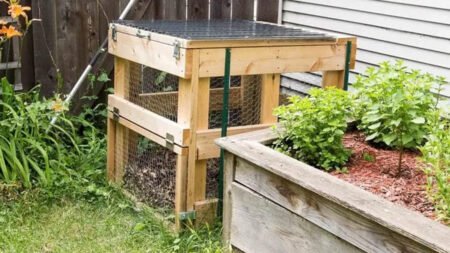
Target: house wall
(415, 31)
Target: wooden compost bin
(194, 53)
(274, 203)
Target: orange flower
(57, 107)
(10, 32)
(16, 10)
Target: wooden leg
(180, 188)
(270, 97)
(197, 171)
(333, 79)
(111, 133)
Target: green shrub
(394, 105)
(313, 128)
(35, 153)
(436, 156)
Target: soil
(382, 177)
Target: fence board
(220, 9)
(243, 9)
(198, 9)
(268, 10)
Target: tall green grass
(35, 153)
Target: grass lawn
(33, 224)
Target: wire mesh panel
(154, 90)
(149, 169)
(244, 105)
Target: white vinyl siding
(416, 31)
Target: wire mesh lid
(225, 29)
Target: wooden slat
(149, 120)
(260, 226)
(220, 9)
(244, 9)
(205, 139)
(198, 9)
(150, 53)
(267, 10)
(251, 61)
(183, 151)
(333, 79)
(228, 179)
(332, 218)
(111, 167)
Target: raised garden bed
(274, 203)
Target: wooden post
(111, 167)
(333, 79)
(199, 115)
(270, 97)
(123, 137)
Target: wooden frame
(198, 61)
(297, 201)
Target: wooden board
(151, 53)
(145, 133)
(254, 61)
(207, 149)
(270, 98)
(260, 226)
(149, 120)
(330, 217)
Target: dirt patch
(381, 176)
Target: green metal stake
(348, 58)
(226, 100)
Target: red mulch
(381, 177)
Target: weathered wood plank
(244, 9)
(361, 232)
(198, 9)
(220, 9)
(260, 226)
(267, 10)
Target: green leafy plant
(436, 157)
(34, 152)
(312, 128)
(394, 105)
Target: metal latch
(191, 215)
(176, 49)
(170, 141)
(113, 33)
(116, 114)
(140, 35)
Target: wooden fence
(70, 31)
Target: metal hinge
(140, 35)
(170, 141)
(116, 114)
(176, 49)
(113, 33)
(191, 215)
